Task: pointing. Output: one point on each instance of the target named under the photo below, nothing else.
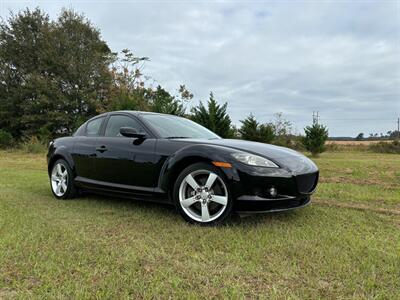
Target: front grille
(306, 183)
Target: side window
(93, 127)
(116, 122)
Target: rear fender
(61, 152)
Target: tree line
(390, 135)
(55, 74)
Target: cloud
(341, 59)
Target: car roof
(138, 112)
(132, 112)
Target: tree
(6, 139)
(162, 101)
(253, 131)
(315, 138)
(53, 74)
(214, 117)
(394, 134)
(128, 91)
(360, 136)
(282, 130)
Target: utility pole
(315, 117)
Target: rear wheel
(202, 196)
(61, 180)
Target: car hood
(266, 150)
(293, 160)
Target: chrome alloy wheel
(59, 179)
(203, 196)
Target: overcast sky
(339, 58)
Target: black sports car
(165, 158)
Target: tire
(206, 200)
(62, 180)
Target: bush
(33, 145)
(44, 135)
(333, 147)
(287, 141)
(338, 147)
(296, 143)
(6, 139)
(386, 147)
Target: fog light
(273, 192)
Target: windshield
(169, 126)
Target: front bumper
(261, 205)
(251, 191)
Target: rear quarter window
(80, 131)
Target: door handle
(101, 149)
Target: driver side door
(124, 162)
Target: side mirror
(131, 132)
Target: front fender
(192, 154)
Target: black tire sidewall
(202, 166)
(71, 190)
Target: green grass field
(346, 244)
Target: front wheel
(202, 196)
(61, 180)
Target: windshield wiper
(178, 137)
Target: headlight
(254, 160)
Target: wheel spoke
(58, 190)
(59, 171)
(65, 173)
(205, 214)
(210, 180)
(223, 200)
(189, 201)
(64, 187)
(192, 182)
(54, 178)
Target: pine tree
(253, 131)
(315, 138)
(213, 117)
